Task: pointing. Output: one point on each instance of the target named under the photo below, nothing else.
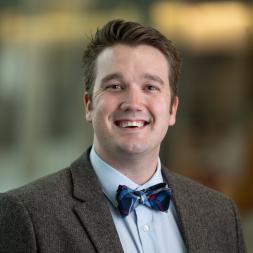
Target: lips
(131, 123)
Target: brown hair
(132, 34)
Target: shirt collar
(110, 178)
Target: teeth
(131, 123)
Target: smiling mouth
(131, 123)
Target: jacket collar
(93, 210)
(186, 202)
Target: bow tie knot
(156, 197)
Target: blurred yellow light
(205, 25)
(55, 26)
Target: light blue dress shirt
(144, 230)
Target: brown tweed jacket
(67, 212)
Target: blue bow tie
(156, 197)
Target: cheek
(103, 107)
(162, 107)
(162, 112)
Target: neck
(137, 167)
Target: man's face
(130, 107)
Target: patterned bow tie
(156, 197)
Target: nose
(133, 100)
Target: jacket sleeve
(16, 228)
(240, 240)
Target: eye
(151, 87)
(114, 87)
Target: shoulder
(54, 190)
(42, 186)
(191, 188)
(53, 187)
(199, 198)
(42, 190)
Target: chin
(134, 149)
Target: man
(117, 197)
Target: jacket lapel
(93, 209)
(183, 203)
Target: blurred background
(42, 126)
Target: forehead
(132, 60)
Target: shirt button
(146, 228)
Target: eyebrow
(119, 76)
(114, 76)
(153, 78)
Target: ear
(173, 111)
(88, 106)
